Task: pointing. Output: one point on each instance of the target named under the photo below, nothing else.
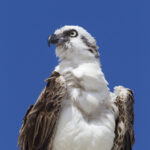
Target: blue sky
(121, 29)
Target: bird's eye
(73, 33)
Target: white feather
(87, 121)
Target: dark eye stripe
(92, 48)
(91, 51)
(68, 32)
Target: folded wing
(40, 120)
(124, 131)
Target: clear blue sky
(121, 29)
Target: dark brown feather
(124, 138)
(40, 120)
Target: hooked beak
(57, 39)
(53, 39)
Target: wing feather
(124, 131)
(41, 118)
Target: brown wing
(124, 131)
(40, 120)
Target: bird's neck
(88, 72)
(74, 63)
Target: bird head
(74, 42)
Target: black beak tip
(53, 39)
(49, 41)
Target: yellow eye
(73, 33)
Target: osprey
(76, 110)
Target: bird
(76, 110)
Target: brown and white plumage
(76, 110)
(40, 121)
(124, 132)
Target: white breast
(86, 121)
(74, 132)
